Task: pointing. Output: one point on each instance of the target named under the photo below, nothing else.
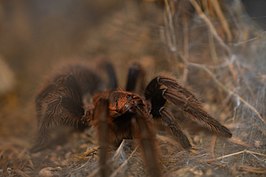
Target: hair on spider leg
(119, 114)
(145, 135)
(185, 101)
(60, 101)
(101, 114)
(135, 78)
(168, 120)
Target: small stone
(68, 155)
(50, 172)
(197, 139)
(9, 171)
(209, 172)
(258, 143)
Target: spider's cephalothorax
(118, 114)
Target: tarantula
(118, 114)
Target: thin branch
(211, 27)
(217, 7)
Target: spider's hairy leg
(168, 120)
(142, 127)
(135, 77)
(100, 120)
(163, 88)
(39, 106)
(59, 103)
(110, 71)
(39, 100)
(198, 114)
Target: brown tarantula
(119, 114)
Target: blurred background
(215, 48)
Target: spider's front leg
(58, 104)
(143, 129)
(162, 89)
(121, 119)
(60, 101)
(100, 121)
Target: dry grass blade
(217, 8)
(240, 142)
(90, 151)
(21, 173)
(237, 153)
(170, 34)
(210, 25)
(124, 163)
(250, 169)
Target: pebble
(50, 172)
